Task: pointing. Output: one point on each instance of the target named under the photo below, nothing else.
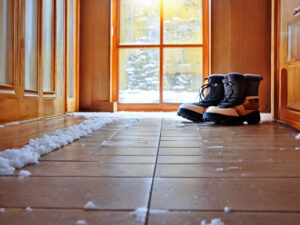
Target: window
(6, 42)
(47, 43)
(160, 50)
(31, 46)
(60, 45)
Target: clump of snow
(23, 174)
(297, 148)
(298, 137)
(233, 168)
(119, 143)
(215, 146)
(158, 211)
(219, 169)
(180, 124)
(226, 209)
(215, 221)
(140, 214)
(11, 159)
(81, 222)
(90, 205)
(28, 209)
(2, 210)
(82, 145)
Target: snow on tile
(298, 137)
(233, 168)
(215, 146)
(140, 214)
(158, 211)
(23, 174)
(180, 124)
(219, 169)
(90, 205)
(226, 209)
(11, 159)
(2, 210)
(28, 209)
(119, 143)
(297, 148)
(81, 222)
(215, 221)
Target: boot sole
(251, 118)
(190, 115)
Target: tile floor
(183, 174)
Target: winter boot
(195, 111)
(240, 103)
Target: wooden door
(72, 53)
(288, 72)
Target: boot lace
(202, 90)
(228, 91)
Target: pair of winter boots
(231, 99)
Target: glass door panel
(31, 45)
(140, 23)
(48, 19)
(182, 74)
(60, 46)
(183, 22)
(6, 42)
(139, 76)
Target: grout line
(153, 178)
(169, 210)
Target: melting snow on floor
(11, 159)
(215, 221)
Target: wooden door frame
(115, 40)
(72, 104)
(281, 110)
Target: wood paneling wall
(241, 41)
(95, 82)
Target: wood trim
(77, 57)
(161, 55)
(114, 50)
(6, 86)
(206, 36)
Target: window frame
(10, 88)
(115, 46)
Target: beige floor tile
(91, 156)
(255, 194)
(65, 217)
(233, 218)
(135, 138)
(86, 152)
(74, 192)
(229, 170)
(231, 157)
(90, 169)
